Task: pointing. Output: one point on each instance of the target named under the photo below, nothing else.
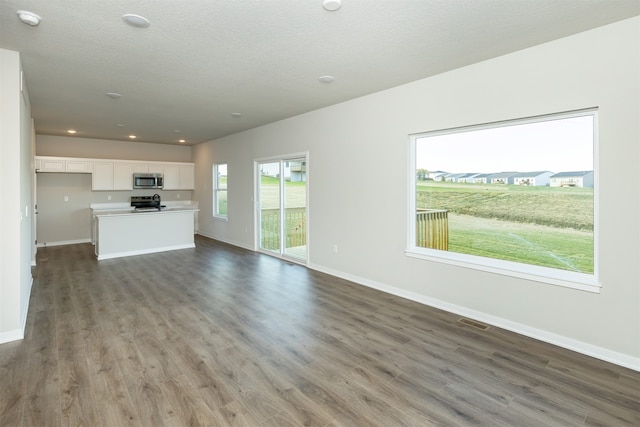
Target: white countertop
(117, 208)
(121, 212)
(109, 206)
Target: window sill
(551, 276)
(221, 218)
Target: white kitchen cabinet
(156, 168)
(187, 177)
(177, 176)
(52, 165)
(123, 176)
(115, 175)
(140, 168)
(78, 166)
(171, 177)
(60, 164)
(102, 177)
(111, 174)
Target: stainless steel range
(146, 203)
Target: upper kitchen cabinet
(123, 174)
(140, 167)
(103, 176)
(171, 176)
(187, 177)
(177, 176)
(60, 164)
(50, 165)
(116, 175)
(110, 174)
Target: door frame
(256, 200)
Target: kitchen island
(121, 233)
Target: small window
(220, 190)
(514, 197)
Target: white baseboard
(25, 307)
(18, 334)
(145, 251)
(62, 243)
(9, 336)
(230, 242)
(539, 334)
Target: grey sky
(557, 145)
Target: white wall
(68, 146)
(16, 155)
(358, 180)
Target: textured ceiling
(201, 60)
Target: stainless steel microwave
(147, 180)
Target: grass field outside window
(521, 191)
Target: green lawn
(565, 249)
(551, 227)
(296, 193)
(563, 207)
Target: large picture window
(515, 197)
(220, 190)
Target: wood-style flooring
(221, 336)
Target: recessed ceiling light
(132, 136)
(71, 131)
(136, 20)
(176, 131)
(113, 95)
(120, 125)
(326, 79)
(29, 18)
(331, 5)
(236, 114)
(182, 140)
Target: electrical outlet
(109, 197)
(178, 195)
(66, 198)
(335, 248)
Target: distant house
(501, 178)
(482, 178)
(437, 175)
(572, 179)
(297, 171)
(452, 177)
(467, 177)
(294, 171)
(534, 179)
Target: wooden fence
(432, 229)
(295, 220)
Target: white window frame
(569, 279)
(217, 190)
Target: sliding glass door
(282, 207)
